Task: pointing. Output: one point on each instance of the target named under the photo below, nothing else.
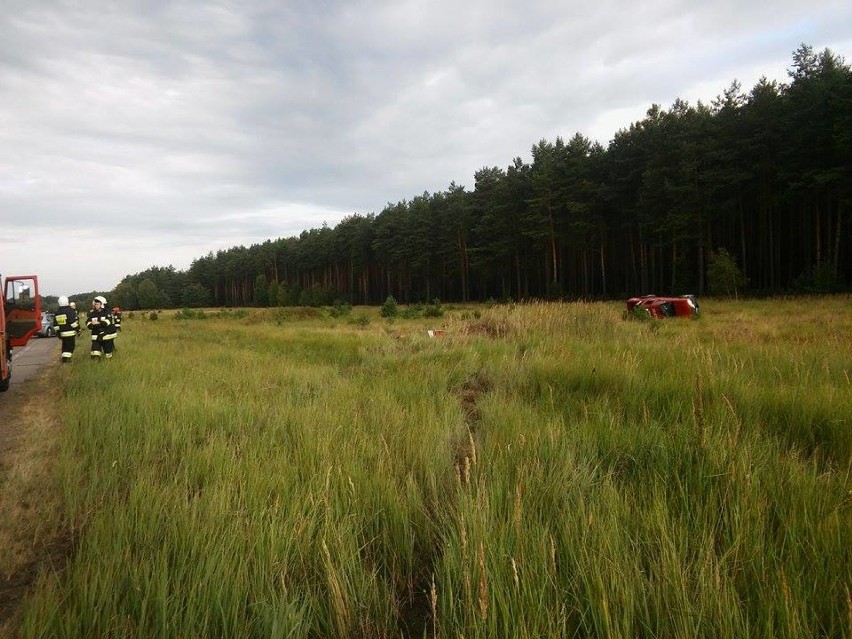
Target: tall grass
(541, 470)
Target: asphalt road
(28, 361)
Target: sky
(150, 133)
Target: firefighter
(67, 327)
(116, 314)
(110, 332)
(79, 327)
(100, 322)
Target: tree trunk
(633, 271)
(773, 272)
(743, 240)
(818, 238)
(463, 262)
(836, 261)
(518, 274)
(555, 278)
(674, 266)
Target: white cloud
(135, 135)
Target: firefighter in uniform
(67, 327)
(100, 322)
(116, 314)
(79, 327)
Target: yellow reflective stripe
(67, 333)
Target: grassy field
(541, 470)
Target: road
(27, 361)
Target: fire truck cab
(20, 319)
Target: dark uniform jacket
(104, 327)
(65, 322)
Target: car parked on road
(46, 329)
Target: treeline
(762, 178)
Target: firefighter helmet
(63, 301)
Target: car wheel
(51, 332)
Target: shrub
(723, 275)
(340, 309)
(821, 278)
(389, 308)
(412, 312)
(638, 313)
(434, 309)
(296, 313)
(360, 320)
(188, 314)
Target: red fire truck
(20, 318)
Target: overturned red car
(660, 307)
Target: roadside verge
(32, 536)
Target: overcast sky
(149, 133)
